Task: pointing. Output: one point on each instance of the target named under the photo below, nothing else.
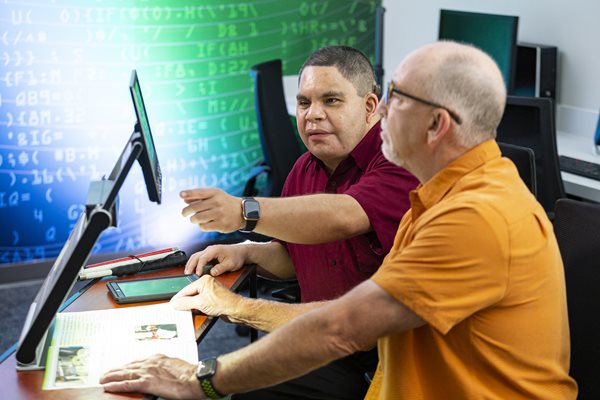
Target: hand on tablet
(206, 295)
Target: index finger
(190, 195)
(202, 261)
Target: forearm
(266, 315)
(312, 219)
(338, 328)
(275, 358)
(272, 259)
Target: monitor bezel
(510, 84)
(98, 215)
(150, 167)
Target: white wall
(571, 25)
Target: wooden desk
(25, 385)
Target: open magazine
(87, 344)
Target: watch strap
(204, 372)
(250, 225)
(209, 389)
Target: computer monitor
(139, 147)
(148, 159)
(99, 215)
(492, 33)
(529, 122)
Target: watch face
(251, 209)
(206, 368)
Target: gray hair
(350, 62)
(469, 82)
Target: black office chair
(577, 228)
(529, 122)
(277, 135)
(524, 160)
(280, 147)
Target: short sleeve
(455, 264)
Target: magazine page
(87, 344)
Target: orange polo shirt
(477, 259)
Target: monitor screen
(148, 159)
(492, 33)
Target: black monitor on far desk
(492, 33)
(100, 213)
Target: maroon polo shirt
(326, 271)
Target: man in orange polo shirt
(470, 302)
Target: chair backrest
(577, 228)
(529, 122)
(524, 160)
(277, 135)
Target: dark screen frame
(148, 159)
(474, 37)
(98, 216)
(116, 289)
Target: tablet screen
(153, 286)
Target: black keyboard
(580, 167)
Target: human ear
(371, 103)
(439, 126)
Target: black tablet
(148, 289)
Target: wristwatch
(205, 371)
(250, 213)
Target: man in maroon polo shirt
(335, 222)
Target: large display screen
(64, 114)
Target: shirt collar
(368, 147)
(434, 190)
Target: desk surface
(580, 147)
(17, 385)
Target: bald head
(464, 79)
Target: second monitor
(492, 33)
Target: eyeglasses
(391, 89)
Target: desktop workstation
(576, 185)
(25, 385)
(73, 293)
